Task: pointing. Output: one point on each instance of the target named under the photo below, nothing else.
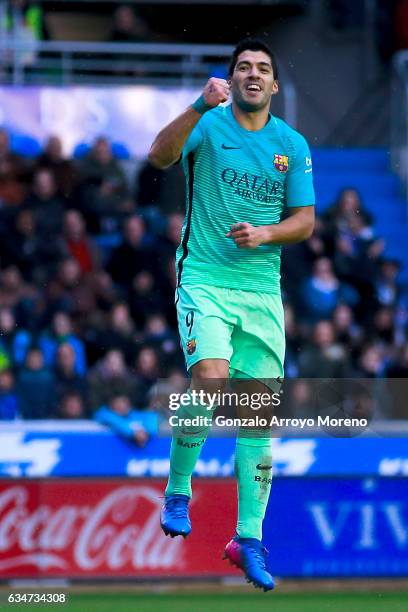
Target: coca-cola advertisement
(110, 528)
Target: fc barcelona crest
(281, 162)
(191, 346)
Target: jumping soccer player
(242, 167)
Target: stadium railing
(91, 63)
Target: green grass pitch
(227, 602)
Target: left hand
(246, 236)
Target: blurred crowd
(26, 21)
(87, 280)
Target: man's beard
(249, 107)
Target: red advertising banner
(110, 528)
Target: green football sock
(186, 445)
(253, 469)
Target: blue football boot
(174, 518)
(249, 554)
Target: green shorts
(244, 327)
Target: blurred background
(88, 233)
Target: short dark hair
(252, 44)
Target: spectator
(77, 244)
(104, 184)
(357, 258)
(71, 407)
(175, 382)
(9, 404)
(14, 293)
(144, 297)
(172, 193)
(62, 332)
(111, 376)
(5, 361)
(25, 20)
(69, 292)
(13, 190)
(388, 290)
(372, 363)
(347, 206)
(398, 367)
(148, 185)
(67, 379)
(323, 291)
(95, 322)
(13, 174)
(134, 255)
(171, 239)
(35, 387)
(119, 334)
(301, 402)
(325, 357)
(383, 328)
(45, 203)
(158, 189)
(25, 248)
(158, 334)
(362, 405)
(128, 27)
(147, 369)
(123, 330)
(14, 342)
(126, 421)
(346, 329)
(65, 171)
(297, 263)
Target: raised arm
(169, 143)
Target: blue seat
(120, 151)
(81, 150)
(25, 145)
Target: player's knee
(210, 375)
(210, 368)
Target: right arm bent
(169, 143)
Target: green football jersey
(236, 175)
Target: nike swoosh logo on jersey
(263, 467)
(226, 147)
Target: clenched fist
(215, 92)
(246, 236)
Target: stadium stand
(86, 289)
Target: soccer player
(242, 167)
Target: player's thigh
(259, 339)
(204, 327)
